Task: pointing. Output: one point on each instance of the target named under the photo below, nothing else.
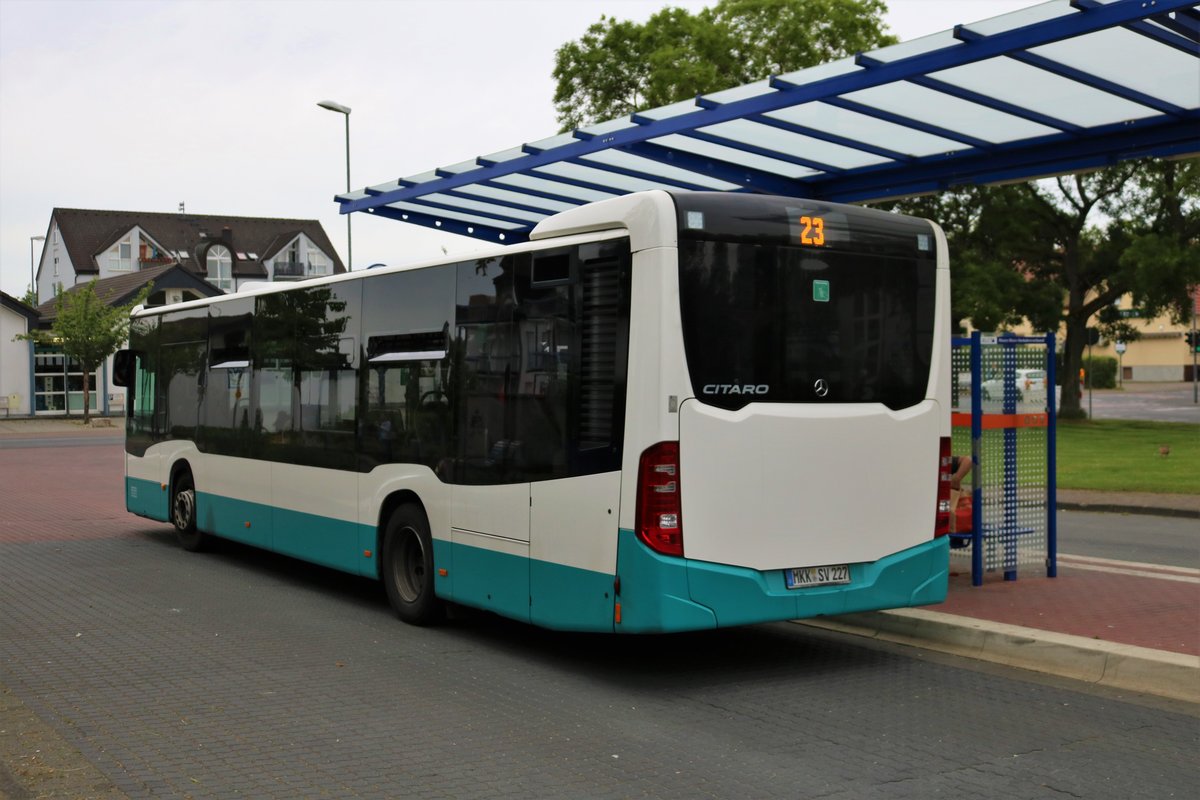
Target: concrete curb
(1117, 508)
(1118, 666)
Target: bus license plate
(800, 577)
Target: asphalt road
(242, 673)
(1172, 402)
(1170, 541)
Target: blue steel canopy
(1063, 86)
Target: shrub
(1103, 370)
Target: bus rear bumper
(147, 499)
(666, 594)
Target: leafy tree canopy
(618, 67)
(88, 329)
(1061, 252)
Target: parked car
(1029, 382)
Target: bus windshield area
(768, 318)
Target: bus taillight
(941, 525)
(659, 511)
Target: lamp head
(332, 106)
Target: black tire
(183, 513)
(407, 566)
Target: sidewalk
(1167, 505)
(1133, 627)
(56, 427)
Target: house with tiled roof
(186, 256)
(16, 319)
(227, 252)
(173, 283)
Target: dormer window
(220, 267)
(318, 264)
(120, 258)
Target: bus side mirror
(123, 366)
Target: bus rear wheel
(407, 568)
(183, 513)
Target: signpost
(1120, 347)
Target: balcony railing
(289, 269)
(155, 261)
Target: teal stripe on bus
(322, 540)
(551, 595)
(147, 499)
(657, 593)
(662, 594)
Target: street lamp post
(32, 277)
(344, 111)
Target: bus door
(489, 531)
(489, 514)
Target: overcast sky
(141, 106)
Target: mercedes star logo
(821, 387)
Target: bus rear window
(770, 321)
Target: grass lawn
(1124, 455)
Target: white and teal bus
(664, 412)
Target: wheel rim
(184, 509)
(408, 568)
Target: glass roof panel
(740, 92)
(444, 214)
(619, 158)
(462, 166)
(506, 155)
(1132, 60)
(1039, 90)
(619, 183)
(509, 196)
(794, 144)
(820, 72)
(423, 177)
(734, 156)
(554, 141)
(952, 113)
(1021, 18)
(601, 128)
(868, 130)
(672, 110)
(585, 195)
(385, 187)
(483, 208)
(915, 47)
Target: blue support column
(1008, 531)
(1051, 462)
(976, 437)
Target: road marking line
(1109, 562)
(1164, 576)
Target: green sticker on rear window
(821, 291)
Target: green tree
(1061, 252)
(30, 298)
(88, 330)
(618, 67)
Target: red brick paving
(1126, 609)
(63, 493)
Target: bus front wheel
(407, 568)
(183, 513)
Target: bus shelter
(1064, 86)
(1003, 418)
